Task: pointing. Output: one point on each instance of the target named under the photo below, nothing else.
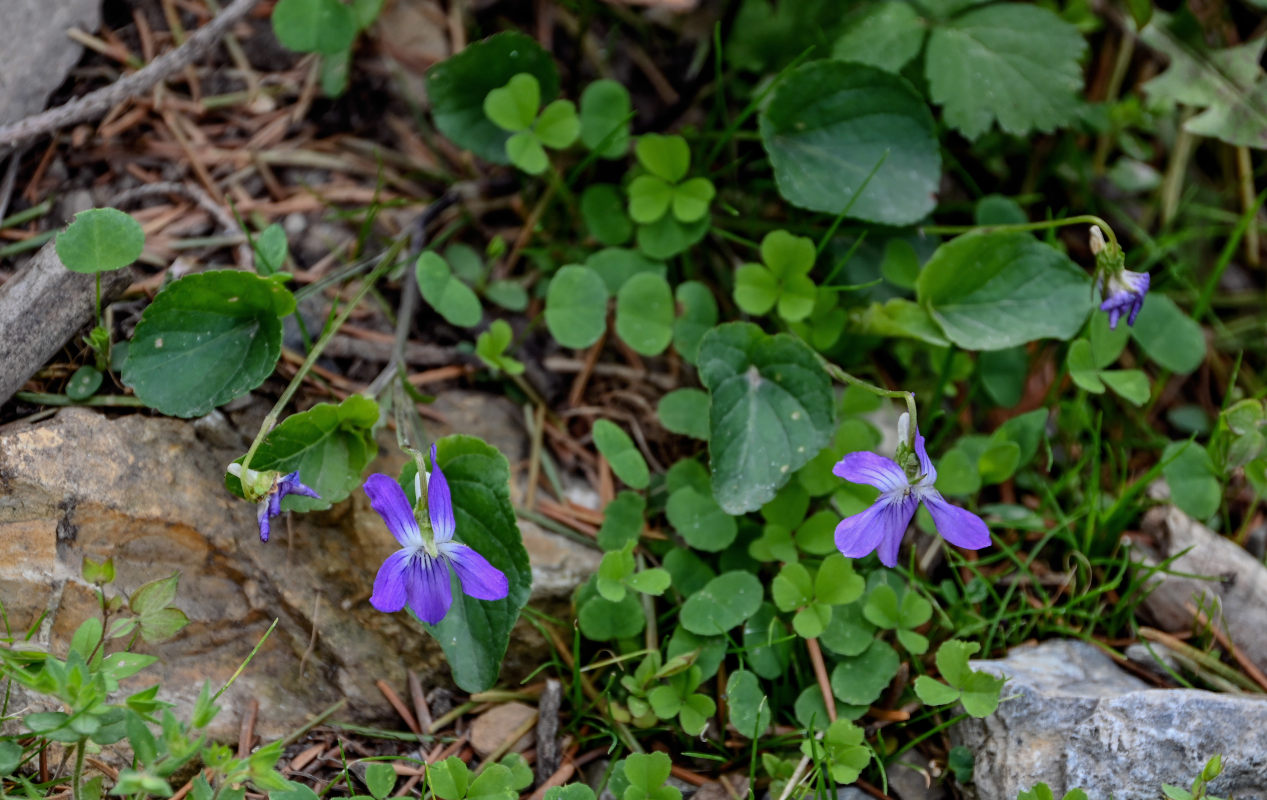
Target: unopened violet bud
(1123, 293)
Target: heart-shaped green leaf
(644, 313)
(457, 87)
(620, 452)
(330, 446)
(605, 114)
(442, 290)
(576, 306)
(668, 157)
(999, 290)
(771, 412)
(100, 240)
(830, 125)
(314, 26)
(724, 602)
(513, 107)
(205, 340)
(558, 126)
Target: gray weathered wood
(41, 308)
(1233, 587)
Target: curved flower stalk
(270, 487)
(902, 488)
(418, 574)
(1121, 290)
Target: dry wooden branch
(94, 104)
(228, 225)
(41, 308)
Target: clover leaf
(678, 698)
(617, 573)
(749, 707)
(647, 774)
(977, 690)
(491, 348)
(782, 278)
(842, 749)
(885, 609)
(1088, 373)
(814, 595)
(443, 291)
(667, 160)
(513, 108)
(619, 450)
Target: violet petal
(389, 586)
(388, 499)
(479, 578)
(429, 588)
(440, 503)
(880, 527)
(926, 467)
(871, 469)
(956, 525)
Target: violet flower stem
(386, 263)
(78, 778)
(897, 394)
(1082, 219)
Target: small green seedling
(1200, 785)
(271, 250)
(513, 108)
(618, 572)
(491, 348)
(1043, 792)
(841, 749)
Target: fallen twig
(96, 103)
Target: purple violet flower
(882, 526)
(270, 487)
(417, 574)
(1122, 291)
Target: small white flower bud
(904, 428)
(1097, 240)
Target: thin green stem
(1081, 219)
(47, 399)
(388, 261)
(896, 394)
(98, 299)
(78, 779)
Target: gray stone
(37, 53)
(149, 492)
(1071, 718)
(908, 783)
(1236, 582)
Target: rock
(559, 565)
(490, 730)
(149, 492)
(908, 783)
(1237, 584)
(37, 52)
(1072, 719)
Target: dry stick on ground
(548, 730)
(1251, 669)
(228, 225)
(62, 301)
(94, 104)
